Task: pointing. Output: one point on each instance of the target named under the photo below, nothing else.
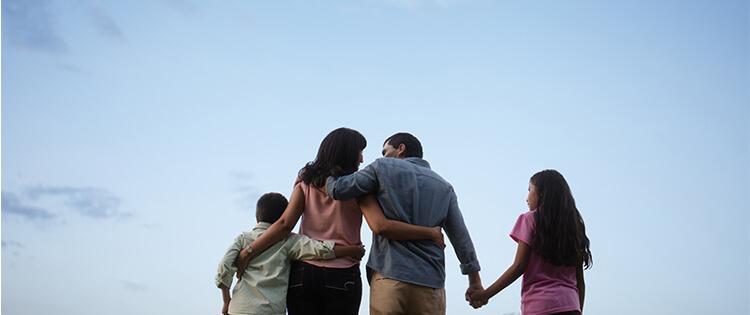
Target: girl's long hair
(338, 155)
(560, 235)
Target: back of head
(338, 155)
(270, 207)
(560, 234)
(412, 144)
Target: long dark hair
(338, 155)
(560, 235)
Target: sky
(137, 136)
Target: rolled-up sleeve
(459, 236)
(353, 185)
(303, 248)
(226, 268)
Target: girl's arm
(581, 285)
(395, 230)
(509, 276)
(276, 232)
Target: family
(407, 206)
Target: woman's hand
(438, 236)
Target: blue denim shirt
(409, 191)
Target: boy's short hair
(270, 206)
(413, 146)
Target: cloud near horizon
(45, 203)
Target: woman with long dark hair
(553, 250)
(332, 286)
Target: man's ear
(401, 150)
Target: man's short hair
(270, 207)
(413, 146)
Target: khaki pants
(393, 297)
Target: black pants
(323, 291)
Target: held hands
(475, 295)
(478, 299)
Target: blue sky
(137, 135)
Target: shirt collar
(262, 225)
(418, 161)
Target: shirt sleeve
(353, 185)
(303, 248)
(460, 239)
(226, 268)
(523, 231)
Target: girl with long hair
(331, 286)
(552, 252)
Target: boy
(262, 289)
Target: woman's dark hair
(413, 146)
(338, 155)
(560, 235)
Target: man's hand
(473, 288)
(243, 259)
(225, 309)
(438, 236)
(478, 299)
(475, 285)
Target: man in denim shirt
(408, 277)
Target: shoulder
(527, 217)
(527, 214)
(245, 237)
(388, 161)
(301, 184)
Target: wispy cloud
(133, 286)
(105, 23)
(12, 205)
(91, 202)
(243, 183)
(45, 203)
(12, 246)
(31, 25)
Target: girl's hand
(438, 236)
(479, 299)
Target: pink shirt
(546, 288)
(326, 219)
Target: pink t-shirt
(327, 219)
(546, 288)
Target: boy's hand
(359, 252)
(438, 236)
(353, 251)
